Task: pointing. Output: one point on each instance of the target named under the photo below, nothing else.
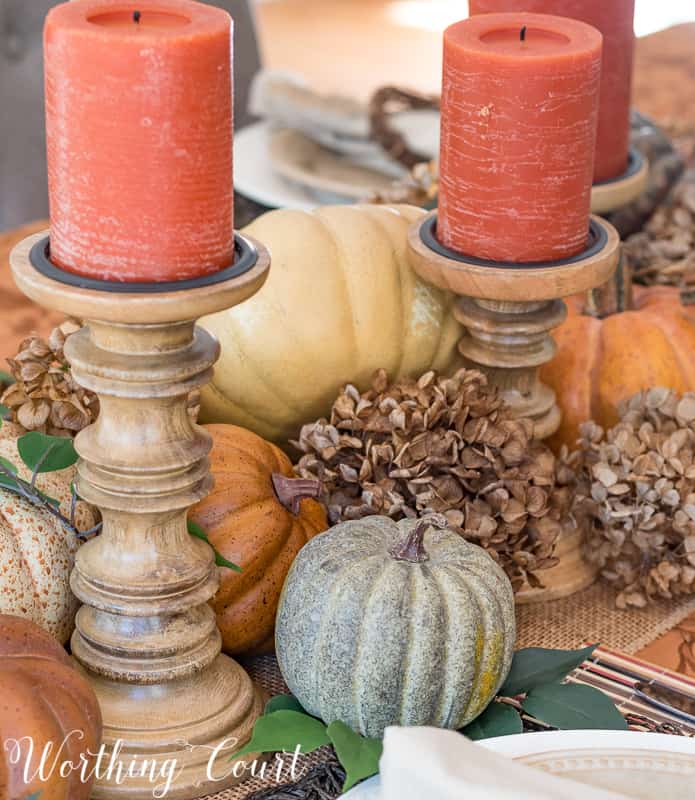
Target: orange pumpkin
(633, 339)
(258, 516)
(45, 699)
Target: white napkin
(434, 764)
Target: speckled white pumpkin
(36, 552)
(383, 623)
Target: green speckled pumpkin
(383, 623)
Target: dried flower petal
(33, 414)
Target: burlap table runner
(589, 616)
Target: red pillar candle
(139, 138)
(519, 112)
(615, 20)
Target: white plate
(283, 168)
(255, 178)
(643, 766)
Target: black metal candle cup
(596, 240)
(245, 258)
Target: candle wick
(136, 16)
(522, 34)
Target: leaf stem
(73, 504)
(40, 463)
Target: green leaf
(498, 719)
(537, 666)
(8, 465)
(358, 755)
(285, 730)
(42, 453)
(7, 483)
(221, 561)
(573, 706)
(283, 702)
(195, 530)
(34, 796)
(6, 378)
(4, 411)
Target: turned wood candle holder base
(146, 637)
(507, 311)
(571, 574)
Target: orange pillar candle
(519, 112)
(615, 20)
(139, 138)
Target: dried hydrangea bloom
(45, 396)
(637, 485)
(442, 445)
(663, 252)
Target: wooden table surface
(359, 45)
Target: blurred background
(356, 45)
(311, 51)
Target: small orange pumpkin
(631, 339)
(258, 516)
(46, 702)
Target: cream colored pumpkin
(36, 552)
(340, 302)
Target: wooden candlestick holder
(610, 196)
(613, 194)
(507, 311)
(146, 637)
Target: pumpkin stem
(413, 547)
(291, 491)
(614, 296)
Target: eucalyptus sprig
(534, 687)
(536, 673)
